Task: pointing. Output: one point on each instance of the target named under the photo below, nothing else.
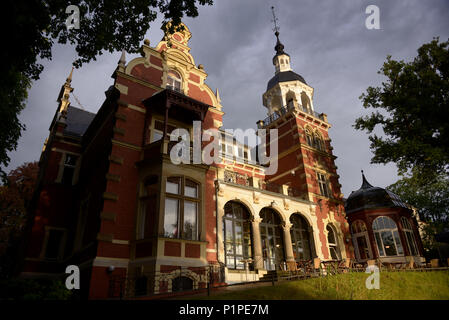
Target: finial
(279, 46)
(275, 20)
(122, 60)
(365, 183)
(69, 79)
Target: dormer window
(174, 81)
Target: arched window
(272, 239)
(174, 81)
(309, 138)
(360, 240)
(332, 242)
(301, 239)
(387, 237)
(237, 232)
(181, 208)
(409, 236)
(318, 142)
(181, 284)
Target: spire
(69, 78)
(279, 46)
(365, 183)
(122, 60)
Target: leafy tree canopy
(15, 197)
(412, 108)
(428, 192)
(33, 26)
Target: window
(54, 244)
(409, 236)
(181, 284)
(387, 237)
(148, 208)
(300, 235)
(360, 240)
(324, 187)
(309, 138)
(319, 144)
(272, 239)
(240, 152)
(237, 232)
(181, 208)
(174, 81)
(69, 169)
(332, 241)
(158, 130)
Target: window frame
(357, 233)
(323, 182)
(407, 229)
(333, 245)
(378, 233)
(294, 232)
(62, 244)
(182, 198)
(233, 220)
(175, 81)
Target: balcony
(247, 181)
(286, 109)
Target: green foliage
(412, 109)
(39, 289)
(35, 25)
(14, 199)
(404, 285)
(429, 194)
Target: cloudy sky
(327, 41)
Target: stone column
(258, 260)
(291, 263)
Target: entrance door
(271, 236)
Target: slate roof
(78, 121)
(369, 197)
(284, 77)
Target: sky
(329, 46)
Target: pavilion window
(409, 236)
(387, 237)
(360, 240)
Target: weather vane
(275, 20)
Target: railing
(284, 110)
(248, 181)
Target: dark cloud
(328, 44)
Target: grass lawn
(393, 286)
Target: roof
(369, 197)
(284, 77)
(78, 121)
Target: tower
(305, 159)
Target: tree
(429, 194)
(14, 200)
(35, 25)
(414, 108)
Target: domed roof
(284, 77)
(369, 197)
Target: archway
(237, 235)
(272, 239)
(302, 240)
